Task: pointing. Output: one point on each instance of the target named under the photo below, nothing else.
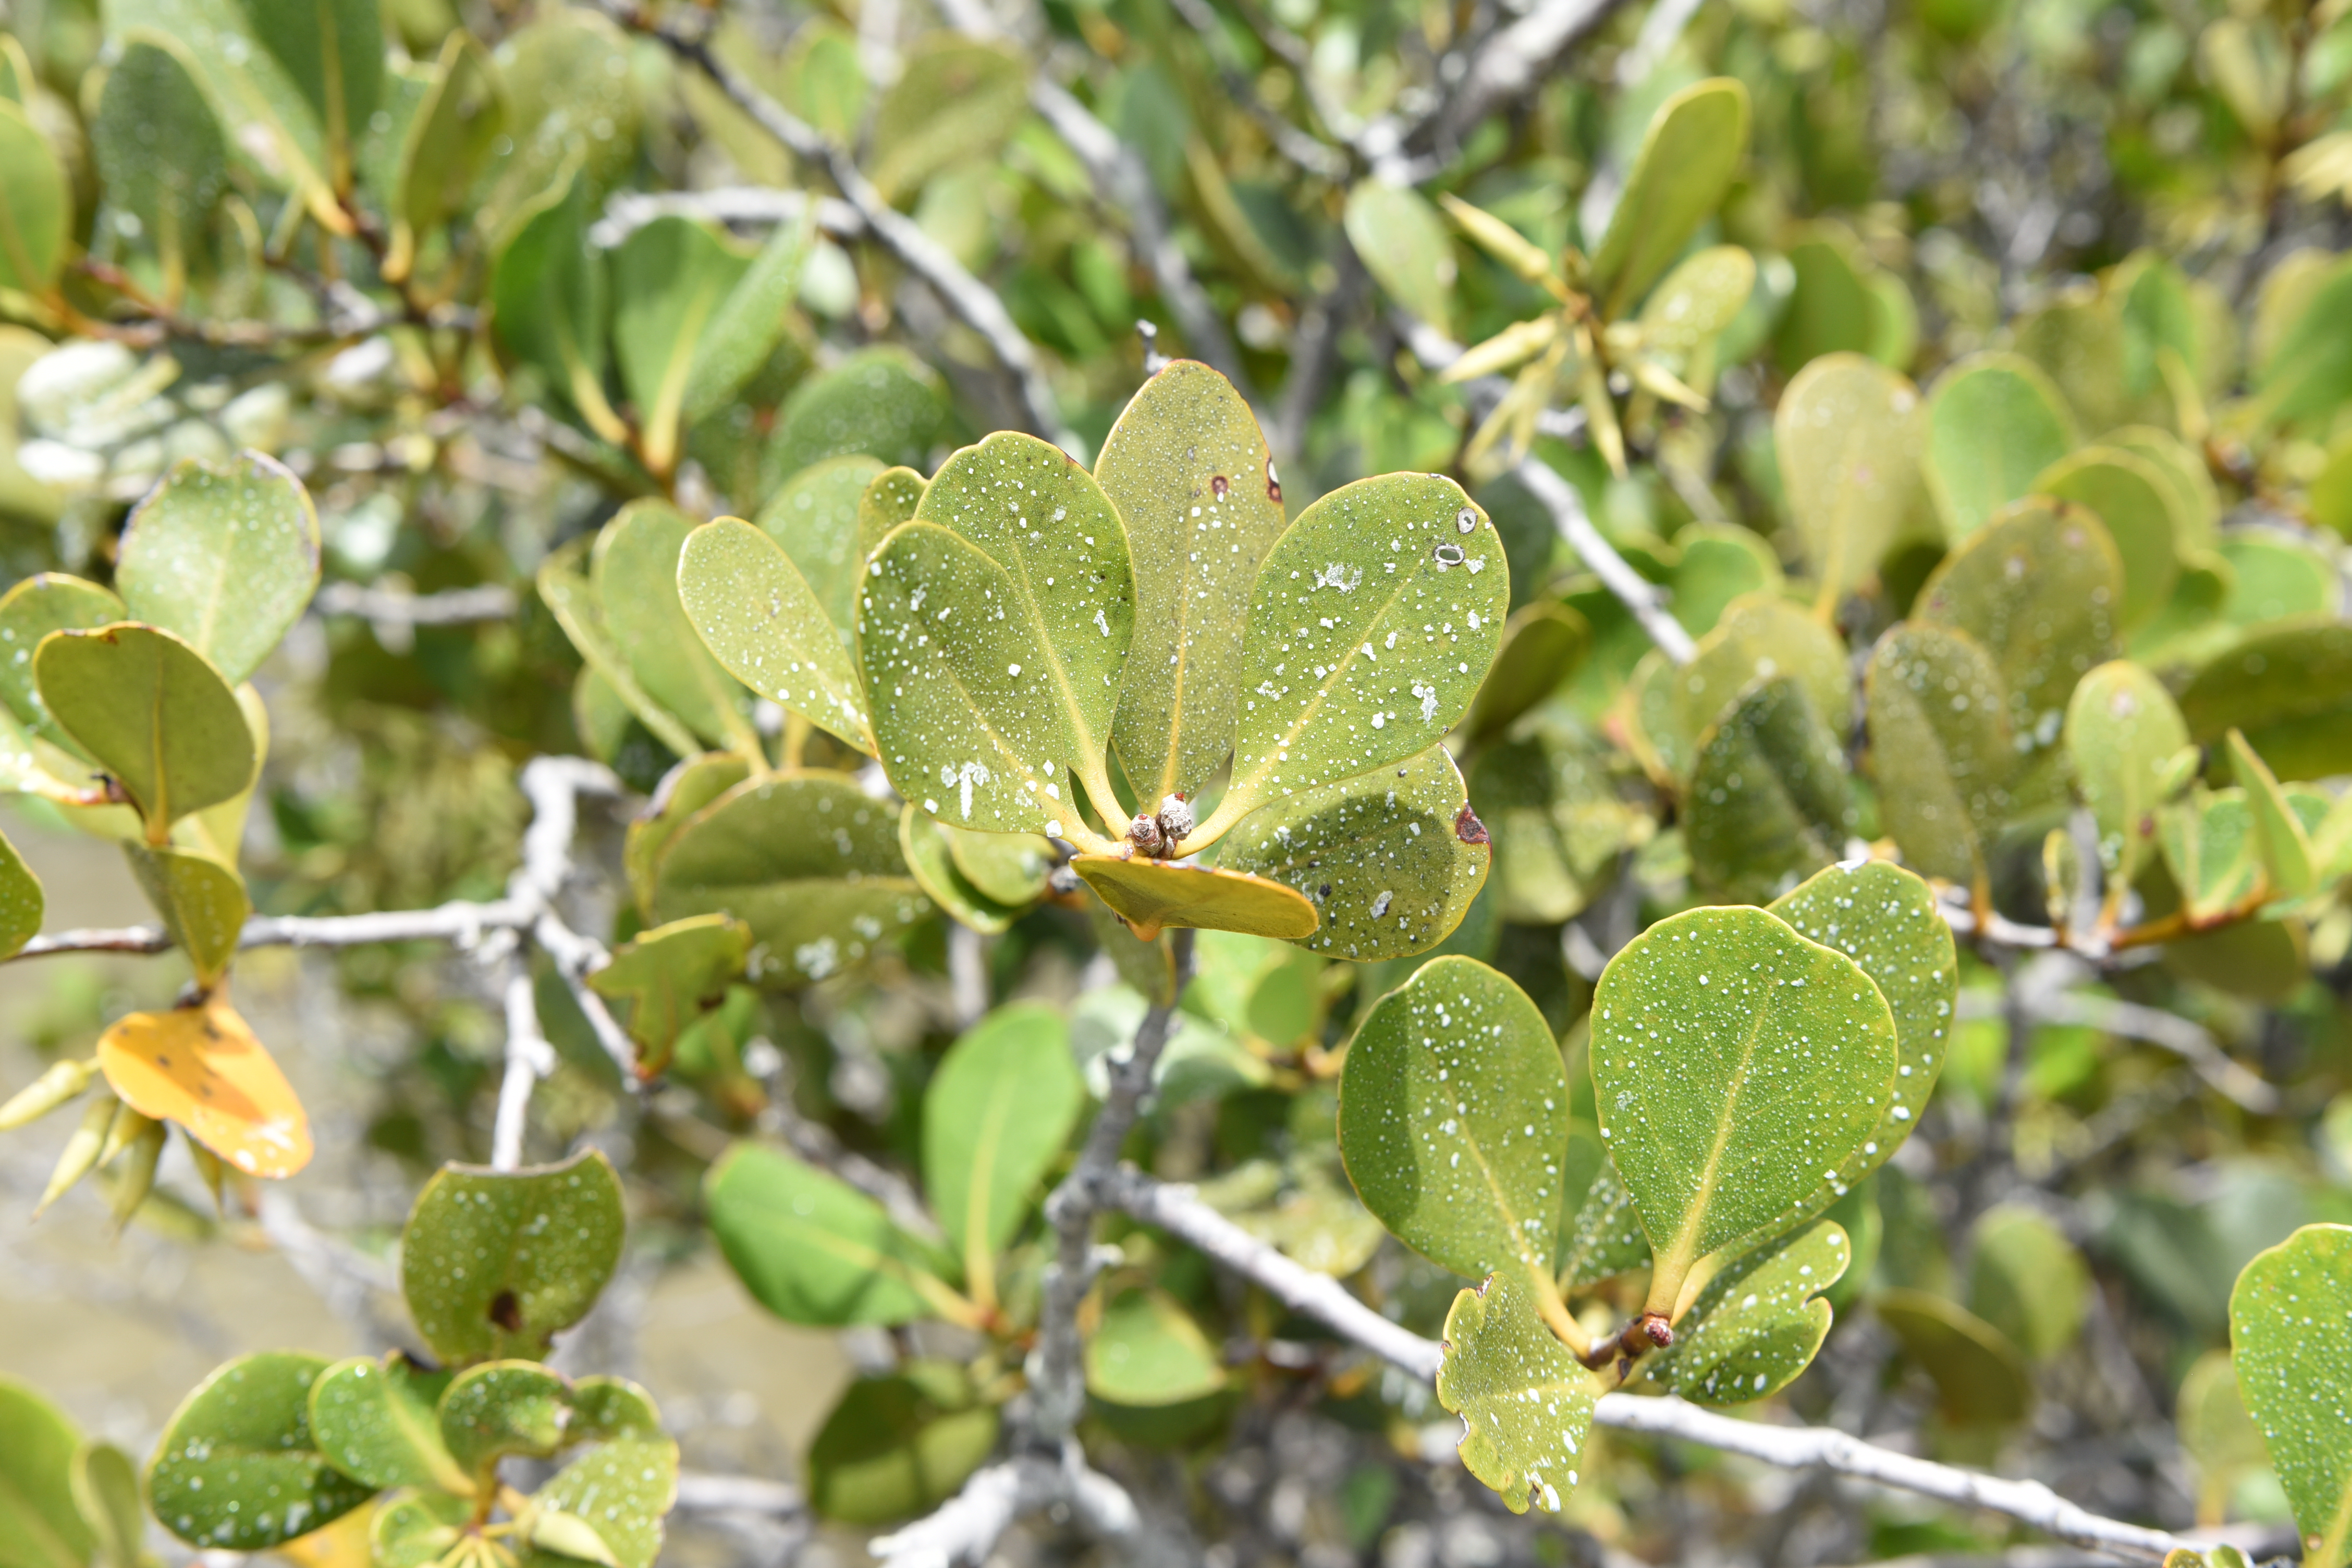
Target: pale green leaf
(2289, 687)
(22, 901)
(1758, 1324)
(1697, 300)
(456, 124)
(1847, 434)
(1010, 867)
(1543, 642)
(931, 860)
(377, 1422)
(1525, 1402)
(495, 1263)
(1689, 155)
(812, 1249)
(670, 280)
(816, 517)
(1406, 248)
(416, 1528)
(2122, 729)
(43, 603)
(2132, 497)
(765, 625)
(106, 1489)
(1768, 803)
(667, 977)
(332, 52)
(1551, 798)
(1148, 1351)
(634, 568)
(160, 152)
(1187, 469)
(574, 104)
(957, 99)
(2209, 848)
(2308, 372)
(621, 1489)
(882, 402)
(888, 499)
(501, 1409)
(737, 337)
(898, 1446)
(572, 599)
(1736, 1066)
(203, 902)
(147, 707)
(1759, 637)
(2216, 1432)
(236, 1467)
(1994, 424)
(2027, 1280)
(1718, 566)
(2276, 577)
(1980, 1379)
(39, 1526)
(996, 1115)
(1607, 1240)
(36, 207)
(224, 556)
(1941, 749)
(2281, 847)
(261, 104)
(2290, 1335)
(550, 300)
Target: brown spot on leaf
(1469, 829)
(1219, 484)
(506, 1311)
(1272, 485)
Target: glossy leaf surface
(635, 571)
(1767, 798)
(1994, 424)
(377, 1422)
(1526, 1402)
(812, 1249)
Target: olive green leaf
(2282, 846)
(236, 1467)
(2308, 372)
(1716, 565)
(890, 499)
(1150, 895)
(2216, 1432)
(1391, 859)
(1697, 300)
(31, 610)
(495, 1263)
(1406, 247)
(1767, 801)
(1886, 920)
(1010, 867)
(39, 1526)
(815, 517)
(572, 599)
(636, 572)
(1689, 155)
(812, 1249)
(1758, 1324)
(548, 302)
(203, 904)
(1452, 1113)
(1148, 1351)
(1525, 1402)
(2122, 729)
(378, 1422)
(2027, 1280)
(1373, 623)
(996, 1115)
(2291, 1338)
(2138, 505)
(1188, 472)
(22, 901)
(2210, 847)
(898, 1446)
(2289, 687)
(742, 330)
(160, 154)
(2037, 587)
(618, 1491)
(1719, 1099)
(1760, 636)
(1847, 434)
(416, 1528)
(882, 402)
(148, 709)
(670, 280)
(1940, 743)
(1551, 798)
(764, 624)
(1994, 424)
(1542, 643)
(332, 52)
(222, 557)
(502, 1408)
(106, 1489)
(36, 208)
(1828, 309)
(455, 127)
(1049, 528)
(574, 104)
(931, 860)
(1607, 1240)
(806, 860)
(1980, 1379)
(670, 976)
(957, 99)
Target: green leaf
(1187, 469)
(160, 152)
(1689, 155)
(2216, 1432)
(2276, 578)
(636, 572)
(670, 976)
(1829, 306)
(503, 1408)
(670, 279)
(572, 599)
(1940, 745)
(764, 626)
(150, 711)
(1525, 1402)
(2289, 687)
(1070, 593)
(1717, 566)
(816, 517)
(332, 52)
(22, 901)
(930, 859)
(1550, 797)
(573, 101)
(898, 1446)
(958, 98)
(996, 1115)
(1698, 298)
(106, 1489)
(203, 902)
(621, 1489)
(1391, 859)
(2027, 1280)
(606, 1408)
(35, 211)
(1994, 424)
(1406, 247)
(816, 901)
(21, 495)
(1981, 1380)
(39, 1526)
(455, 127)
(2281, 847)
(2122, 729)
(379, 1422)
(1719, 1099)
(2080, 342)
(1373, 624)
(260, 103)
(1542, 643)
(1150, 895)
(2308, 372)
(1760, 636)
(1147, 1352)
(812, 1249)
(2132, 497)
(1757, 1325)
(1767, 801)
(225, 557)
(1887, 922)
(416, 1529)
(549, 302)
(2037, 587)
(1452, 1113)
(888, 499)
(2291, 1336)
(882, 402)
(1847, 434)
(738, 338)
(1011, 869)
(495, 1263)
(236, 1467)
(1607, 1240)
(2209, 848)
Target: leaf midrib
(1245, 786)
